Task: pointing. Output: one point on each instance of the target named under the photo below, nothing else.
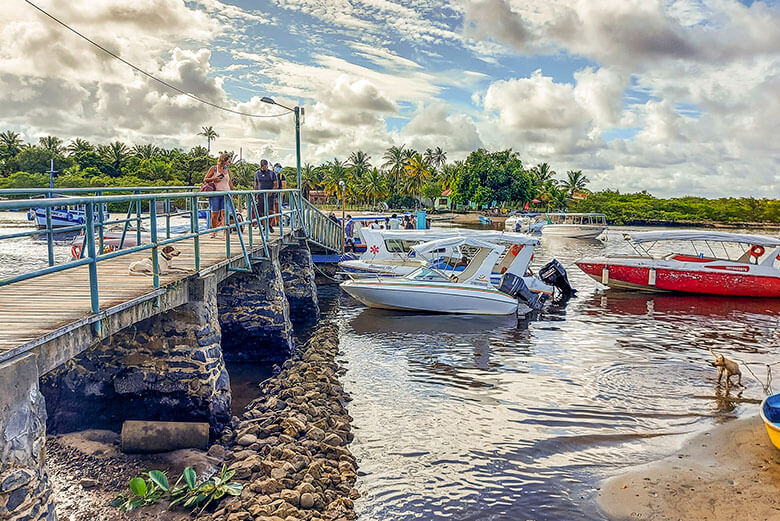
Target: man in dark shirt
(265, 179)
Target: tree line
(402, 178)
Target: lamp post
(298, 112)
(343, 235)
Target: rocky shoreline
(289, 449)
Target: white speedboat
(429, 289)
(396, 252)
(750, 269)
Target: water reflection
(485, 418)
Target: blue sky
(672, 96)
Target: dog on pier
(165, 263)
(728, 367)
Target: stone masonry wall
(168, 367)
(25, 492)
(299, 286)
(254, 315)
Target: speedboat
(396, 252)
(770, 415)
(748, 269)
(430, 289)
(574, 225)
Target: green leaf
(234, 489)
(117, 501)
(190, 477)
(219, 493)
(194, 500)
(160, 479)
(138, 486)
(228, 475)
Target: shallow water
(467, 417)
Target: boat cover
(451, 242)
(702, 235)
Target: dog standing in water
(165, 263)
(727, 366)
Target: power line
(158, 80)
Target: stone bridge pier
(164, 361)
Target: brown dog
(727, 366)
(165, 262)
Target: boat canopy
(439, 233)
(452, 242)
(702, 235)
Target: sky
(676, 97)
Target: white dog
(165, 261)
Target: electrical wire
(150, 76)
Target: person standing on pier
(265, 179)
(220, 176)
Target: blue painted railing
(294, 213)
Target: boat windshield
(428, 274)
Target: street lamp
(298, 112)
(343, 234)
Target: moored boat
(574, 225)
(753, 273)
(62, 216)
(770, 414)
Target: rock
(15, 480)
(316, 433)
(217, 451)
(333, 440)
(247, 439)
(307, 500)
(88, 483)
(291, 496)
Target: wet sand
(729, 472)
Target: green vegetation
(402, 178)
(643, 208)
(155, 486)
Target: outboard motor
(515, 286)
(554, 274)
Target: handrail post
(94, 297)
(279, 197)
(138, 222)
(167, 215)
(226, 222)
(195, 228)
(249, 218)
(101, 218)
(155, 259)
(49, 231)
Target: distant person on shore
(349, 227)
(409, 223)
(332, 217)
(394, 222)
(220, 176)
(374, 225)
(265, 179)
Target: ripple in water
(466, 417)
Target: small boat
(485, 220)
(470, 291)
(62, 216)
(574, 225)
(770, 414)
(748, 270)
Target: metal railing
(293, 213)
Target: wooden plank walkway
(33, 308)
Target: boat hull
(434, 298)
(772, 428)
(706, 278)
(573, 231)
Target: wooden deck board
(33, 308)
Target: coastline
(731, 471)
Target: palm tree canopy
(13, 143)
(80, 146)
(209, 133)
(575, 181)
(51, 143)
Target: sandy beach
(730, 472)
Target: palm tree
(575, 182)
(310, 178)
(80, 146)
(335, 172)
(210, 134)
(373, 185)
(542, 173)
(417, 170)
(198, 151)
(448, 177)
(359, 162)
(394, 162)
(114, 154)
(145, 151)
(51, 143)
(438, 158)
(12, 142)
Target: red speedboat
(745, 265)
